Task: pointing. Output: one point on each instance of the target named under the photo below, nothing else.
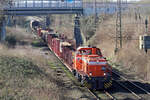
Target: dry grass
(23, 83)
(129, 57)
(42, 86)
(30, 73)
(144, 2)
(64, 24)
(21, 34)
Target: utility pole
(96, 17)
(146, 25)
(3, 30)
(118, 44)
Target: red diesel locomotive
(86, 63)
(91, 67)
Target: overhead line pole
(120, 18)
(118, 26)
(95, 15)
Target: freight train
(85, 62)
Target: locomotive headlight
(104, 74)
(103, 68)
(90, 73)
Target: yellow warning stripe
(107, 85)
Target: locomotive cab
(90, 65)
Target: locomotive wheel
(84, 82)
(79, 77)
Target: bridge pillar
(47, 21)
(3, 30)
(9, 21)
(77, 32)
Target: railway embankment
(32, 72)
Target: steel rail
(132, 83)
(139, 98)
(108, 94)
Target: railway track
(110, 95)
(128, 89)
(103, 95)
(132, 83)
(107, 94)
(139, 92)
(131, 90)
(95, 94)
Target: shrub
(38, 43)
(11, 41)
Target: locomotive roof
(85, 47)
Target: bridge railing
(46, 4)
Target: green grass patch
(65, 69)
(38, 43)
(57, 65)
(17, 67)
(69, 74)
(52, 65)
